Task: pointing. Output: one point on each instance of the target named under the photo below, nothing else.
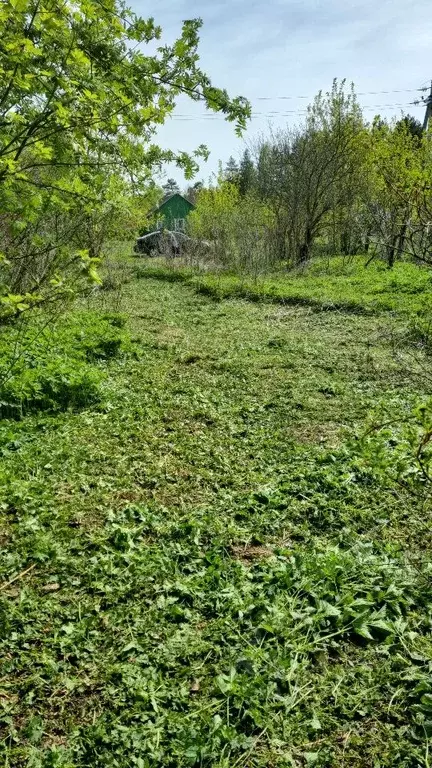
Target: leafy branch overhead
(77, 83)
(80, 102)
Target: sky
(268, 49)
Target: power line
(366, 106)
(357, 93)
(428, 113)
(290, 112)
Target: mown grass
(335, 284)
(201, 571)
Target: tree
(193, 191)
(237, 227)
(306, 174)
(410, 124)
(171, 187)
(118, 216)
(246, 176)
(79, 96)
(401, 201)
(231, 171)
(274, 187)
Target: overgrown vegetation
(335, 283)
(207, 569)
(51, 366)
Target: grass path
(199, 572)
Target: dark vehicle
(165, 242)
(156, 243)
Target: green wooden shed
(172, 213)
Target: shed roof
(171, 197)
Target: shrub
(116, 319)
(55, 385)
(101, 337)
(239, 229)
(420, 333)
(399, 448)
(55, 369)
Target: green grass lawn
(198, 569)
(348, 285)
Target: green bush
(54, 385)
(116, 319)
(104, 349)
(420, 333)
(241, 230)
(56, 368)
(398, 448)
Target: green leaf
(315, 723)
(34, 730)
(363, 631)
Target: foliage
(193, 191)
(410, 123)
(401, 202)
(202, 572)
(246, 180)
(35, 374)
(420, 333)
(171, 187)
(214, 210)
(237, 227)
(118, 216)
(308, 173)
(80, 102)
(327, 284)
(400, 446)
(230, 173)
(335, 184)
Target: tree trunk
(305, 247)
(345, 243)
(368, 239)
(391, 253)
(401, 242)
